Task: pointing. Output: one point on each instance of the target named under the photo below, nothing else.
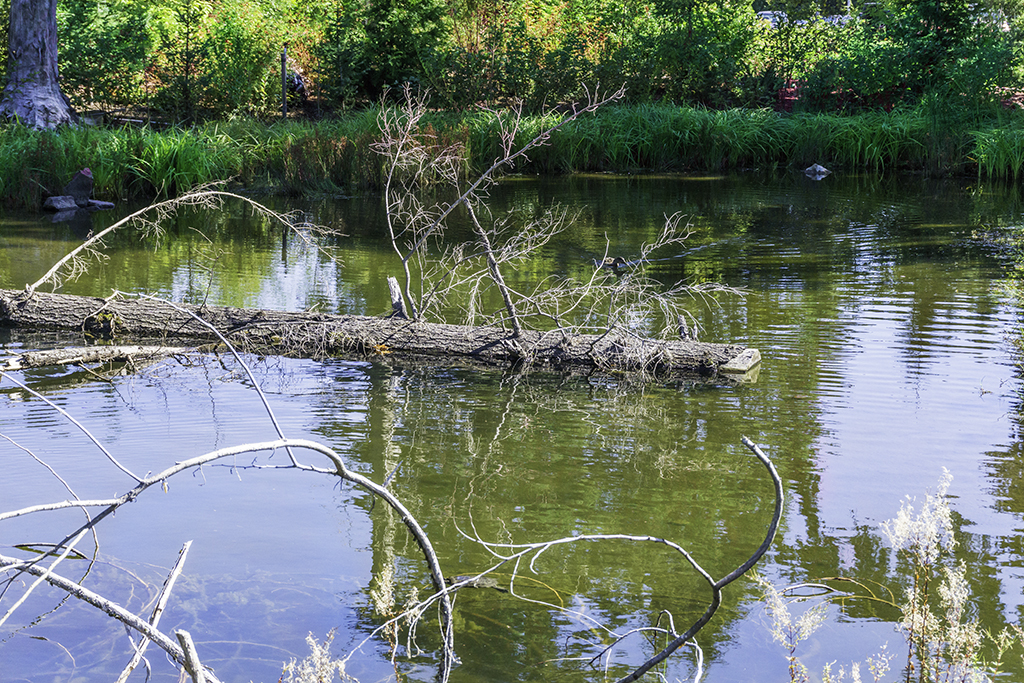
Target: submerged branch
(340, 470)
(518, 552)
(717, 586)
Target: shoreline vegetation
(335, 156)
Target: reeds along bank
(337, 155)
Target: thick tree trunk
(33, 90)
(317, 335)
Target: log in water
(320, 335)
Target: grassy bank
(336, 156)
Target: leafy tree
(399, 35)
(342, 53)
(241, 59)
(703, 47)
(105, 49)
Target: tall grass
(999, 152)
(336, 156)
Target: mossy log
(319, 335)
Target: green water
(885, 338)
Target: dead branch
(89, 354)
(76, 590)
(340, 470)
(717, 586)
(72, 264)
(413, 160)
(533, 551)
(158, 610)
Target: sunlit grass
(336, 156)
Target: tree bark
(318, 335)
(33, 93)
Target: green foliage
(400, 34)
(241, 57)
(335, 155)
(181, 69)
(341, 54)
(196, 59)
(104, 51)
(5, 11)
(702, 48)
(1000, 152)
(955, 52)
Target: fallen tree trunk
(90, 354)
(319, 335)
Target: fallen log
(319, 335)
(90, 354)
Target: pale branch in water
(180, 654)
(72, 262)
(81, 355)
(110, 505)
(158, 610)
(340, 470)
(521, 551)
(111, 608)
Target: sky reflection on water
(885, 339)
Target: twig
(42, 577)
(110, 457)
(192, 664)
(535, 550)
(717, 586)
(238, 359)
(111, 608)
(154, 619)
(340, 469)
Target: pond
(887, 346)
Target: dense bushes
(187, 60)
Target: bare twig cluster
(418, 227)
(619, 298)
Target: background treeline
(186, 60)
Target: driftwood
(318, 335)
(90, 354)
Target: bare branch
(533, 551)
(110, 457)
(202, 196)
(113, 609)
(717, 586)
(154, 619)
(340, 469)
(42, 577)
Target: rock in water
(60, 203)
(816, 171)
(80, 187)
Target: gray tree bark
(318, 335)
(32, 94)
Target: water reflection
(884, 336)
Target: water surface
(886, 343)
